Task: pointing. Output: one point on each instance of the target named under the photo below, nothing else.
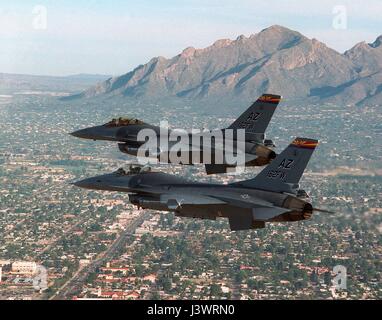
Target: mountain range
(11, 83)
(275, 60)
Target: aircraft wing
(174, 201)
(216, 153)
(195, 206)
(266, 213)
(244, 221)
(238, 220)
(262, 211)
(220, 149)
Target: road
(77, 280)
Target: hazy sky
(112, 37)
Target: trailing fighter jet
(256, 150)
(272, 196)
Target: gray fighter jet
(257, 150)
(272, 196)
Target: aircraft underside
(239, 218)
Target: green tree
(215, 290)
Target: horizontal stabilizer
(264, 214)
(323, 211)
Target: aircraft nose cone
(96, 133)
(85, 184)
(83, 133)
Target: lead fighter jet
(257, 150)
(272, 196)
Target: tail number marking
(276, 174)
(252, 117)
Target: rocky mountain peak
(377, 43)
(188, 52)
(280, 30)
(222, 43)
(276, 59)
(242, 37)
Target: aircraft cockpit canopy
(122, 121)
(133, 169)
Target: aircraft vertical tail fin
(256, 118)
(284, 172)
